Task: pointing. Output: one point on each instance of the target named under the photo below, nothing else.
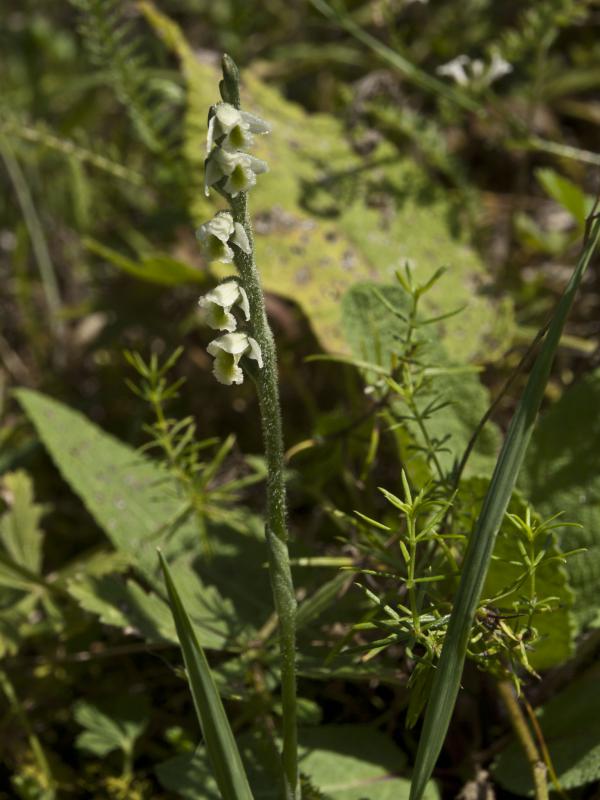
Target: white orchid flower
(240, 169)
(216, 235)
(232, 129)
(217, 304)
(227, 351)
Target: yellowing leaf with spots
(327, 217)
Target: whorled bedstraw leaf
(555, 627)
(562, 474)
(570, 723)
(375, 335)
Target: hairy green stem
(270, 411)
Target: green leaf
(447, 677)
(562, 473)
(327, 217)
(134, 500)
(565, 193)
(159, 268)
(345, 762)
(116, 727)
(223, 754)
(20, 533)
(570, 723)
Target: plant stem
(521, 728)
(35, 744)
(275, 528)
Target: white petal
(221, 226)
(498, 68)
(456, 69)
(225, 295)
(228, 116)
(255, 124)
(228, 160)
(218, 318)
(255, 351)
(213, 172)
(244, 304)
(257, 165)
(234, 343)
(240, 238)
(226, 369)
(210, 134)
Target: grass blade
(222, 750)
(447, 676)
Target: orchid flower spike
(216, 236)
(231, 128)
(227, 351)
(240, 169)
(217, 304)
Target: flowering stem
(275, 528)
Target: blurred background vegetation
(381, 153)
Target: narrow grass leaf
(221, 747)
(477, 558)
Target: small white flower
(217, 305)
(465, 70)
(233, 128)
(240, 169)
(227, 351)
(498, 68)
(216, 235)
(456, 69)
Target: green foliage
(570, 724)
(317, 217)
(377, 161)
(433, 398)
(446, 680)
(561, 471)
(136, 502)
(341, 761)
(221, 748)
(527, 583)
(116, 49)
(116, 727)
(20, 533)
(159, 268)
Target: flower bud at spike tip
(230, 85)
